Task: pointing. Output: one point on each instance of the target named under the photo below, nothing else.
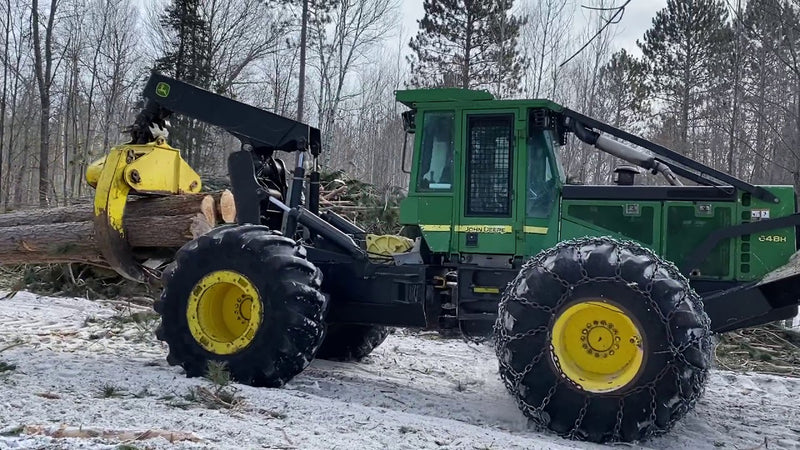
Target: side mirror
(409, 121)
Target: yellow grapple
(153, 168)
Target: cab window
(490, 152)
(436, 154)
(542, 188)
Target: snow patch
(415, 391)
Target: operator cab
(473, 156)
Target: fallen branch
(64, 431)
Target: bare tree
(44, 70)
(356, 28)
(241, 33)
(545, 39)
(4, 98)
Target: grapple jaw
(154, 168)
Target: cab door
(487, 218)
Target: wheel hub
(600, 338)
(597, 346)
(224, 312)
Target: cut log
(50, 243)
(75, 241)
(209, 210)
(75, 213)
(199, 226)
(174, 205)
(227, 207)
(150, 223)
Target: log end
(227, 207)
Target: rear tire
(245, 296)
(349, 342)
(550, 352)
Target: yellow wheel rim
(597, 346)
(224, 312)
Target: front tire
(245, 296)
(602, 340)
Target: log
(75, 241)
(227, 207)
(75, 213)
(49, 243)
(209, 210)
(150, 223)
(173, 205)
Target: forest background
(716, 80)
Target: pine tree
(467, 44)
(189, 58)
(189, 61)
(624, 94)
(682, 51)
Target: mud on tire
(668, 313)
(350, 342)
(292, 307)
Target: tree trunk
(301, 86)
(43, 68)
(67, 234)
(3, 100)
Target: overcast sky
(637, 19)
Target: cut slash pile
(771, 349)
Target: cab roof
(416, 97)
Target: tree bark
(43, 68)
(67, 234)
(173, 205)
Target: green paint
(756, 255)
(451, 122)
(162, 89)
(613, 218)
(686, 228)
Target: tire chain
(501, 336)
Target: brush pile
(771, 348)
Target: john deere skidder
(600, 299)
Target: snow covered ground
(81, 366)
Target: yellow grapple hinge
(154, 168)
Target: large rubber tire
(292, 312)
(676, 340)
(349, 342)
